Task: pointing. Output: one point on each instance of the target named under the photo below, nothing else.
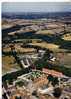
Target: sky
(36, 6)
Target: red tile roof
(53, 72)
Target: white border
(0, 57)
(35, 0)
(1, 33)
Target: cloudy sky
(36, 7)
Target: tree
(50, 78)
(55, 81)
(57, 92)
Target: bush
(44, 64)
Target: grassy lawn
(50, 46)
(63, 58)
(67, 37)
(18, 48)
(45, 32)
(9, 64)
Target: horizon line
(40, 12)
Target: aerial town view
(36, 50)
